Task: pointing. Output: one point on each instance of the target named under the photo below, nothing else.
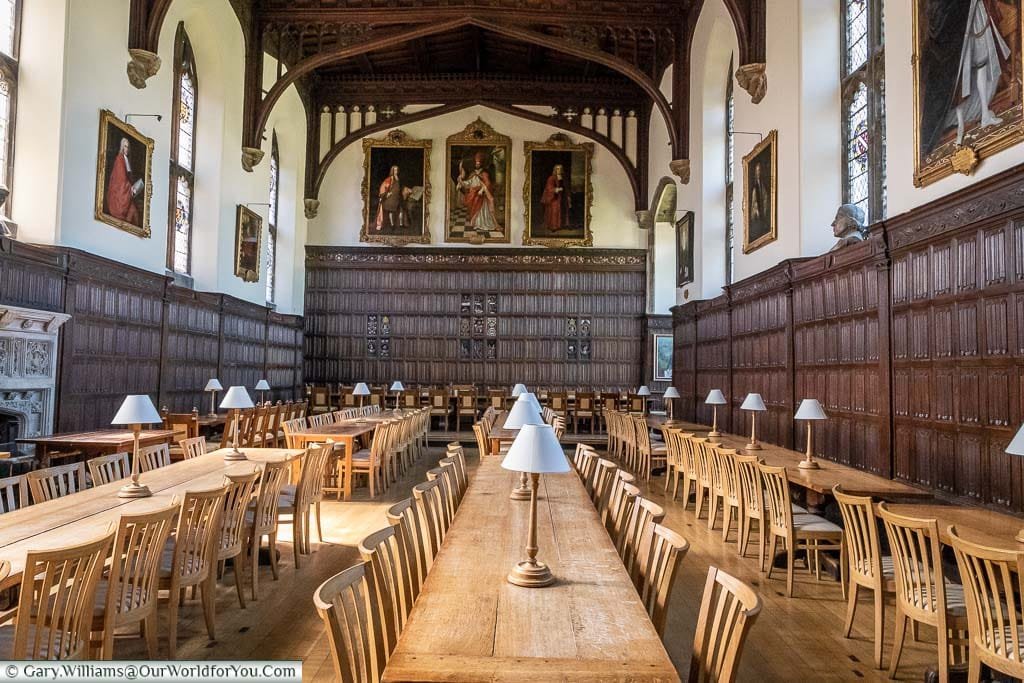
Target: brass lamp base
(520, 493)
(134, 490)
(235, 455)
(715, 433)
(531, 574)
(753, 446)
(808, 465)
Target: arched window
(863, 88)
(730, 154)
(10, 30)
(183, 147)
(275, 180)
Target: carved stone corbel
(142, 66)
(311, 207)
(644, 219)
(754, 80)
(681, 169)
(251, 158)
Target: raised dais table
(470, 624)
(96, 442)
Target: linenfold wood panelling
(132, 331)
(912, 340)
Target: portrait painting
(663, 358)
(478, 196)
(760, 210)
(558, 192)
(248, 236)
(396, 189)
(684, 249)
(967, 84)
(124, 176)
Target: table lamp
(262, 386)
(398, 388)
(518, 389)
(236, 399)
(644, 391)
(1016, 447)
(670, 394)
(136, 410)
(809, 410)
(755, 405)
(532, 398)
(360, 391)
(524, 412)
(715, 398)
(535, 451)
(213, 386)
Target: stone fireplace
(28, 372)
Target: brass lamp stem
(714, 422)
(753, 445)
(808, 462)
(530, 573)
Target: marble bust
(848, 226)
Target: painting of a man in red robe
(477, 198)
(476, 189)
(556, 200)
(559, 195)
(122, 186)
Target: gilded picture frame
(953, 132)
(478, 197)
(760, 194)
(124, 176)
(396, 208)
(553, 217)
(684, 249)
(248, 243)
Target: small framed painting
(663, 358)
(684, 250)
(124, 176)
(558, 192)
(248, 237)
(760, 209)
(396, 189)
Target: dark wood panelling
(536, 294)
(713, 358)
(132, 331)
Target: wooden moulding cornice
(776, 278)
(519, 258)
(85, 266)
(244, 309)
(285, 319)
(178, 294)
(684, 313)
(40, 255)
(657, 322)
(705, 306)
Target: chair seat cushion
(814, 524)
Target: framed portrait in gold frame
(968, 99)
(558, 193)
(248, 243)
(760, 194)
(124, 176)
(396, 190)
(478, 198)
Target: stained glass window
(10, 18)
(8, 26)
(275, 179)
(863, 88)
(730, 154)
(183, 146)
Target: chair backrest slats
(727, 611)
(56, 482)
(346, 603)
(107, 468)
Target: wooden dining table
(985, 527)
(78, 517)
(817, 482)
(499, 435)
(470, 624)
(93, 443)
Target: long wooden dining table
(82, 516)
(95, 442)
(470, 624)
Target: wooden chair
(320, 401)
(496, 398)
(449, 464)
(346, 602)
(635, 534)
(588, 465)
(105, 469)
(610, 516)
(405, 515)
(154, 457)
(636, 404)
(385, 554)
(753, 505)
(716, 480)
(440, 406)
(13, 493)
(649, 456)
(585, 409)
(429, 498)
(701, 457)
(923, 594)
(56, 601)
(184, 426)
(608, 403)
(807, 532)
(658, 567)
(233, 541)
(190, 559)
(262, 519)
(727, 611)
(129, 593)
(193, 448)
(458, 457)
(466, 408)
(447, 492)
(732, 492)
(993, 590)
(56, 482)
(297, 503)
(865, 566)
(604, 477)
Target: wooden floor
(798, 639)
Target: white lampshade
(136, 409)
(213, 385)
(715, 398)
(522, 413)
(361, 390)
(1016, 446)
(643, 391)
(236, 397)
(518, 389)
(671, 392)
(810, 409)
(397, 386)
(262, 385)
(753, 402)
(532, 398)
(536, 450)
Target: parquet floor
(796, 639)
